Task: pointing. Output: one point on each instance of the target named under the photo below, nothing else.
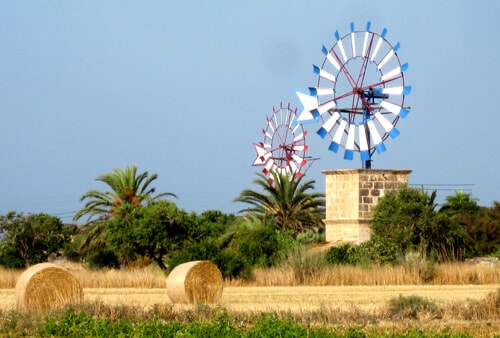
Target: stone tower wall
(351, 195)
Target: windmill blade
(393, 108)
(349, 147)
(320, 91)
(397, 90)
(365, 42)
(300, 147)
(299, 137)
(388, 56)
(395, 72)
(379, 43)
(377, 139)
(386, 125)
(341, 45)
(309, 105)
(299, 160)
(269, 166)
(262, 155)
(266, 134)
(363, 143)
(293, 167)
(353, 40)
(327, 106)
(328, 125)
(337, 137)
(324, 74)
(330, 58)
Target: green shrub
(338, 255)
(310, 237)
(305, 264)
(412, 307)
(103, 258)
(417, 263)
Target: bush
(338, 255)
(310, 237)
(305, 265)
(103, 258)
(416, 263)
(412, 307)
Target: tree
(406, 220)
(152, 231)
(285, 200)
(127, 187)
(31, 239)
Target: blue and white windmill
(360, 94)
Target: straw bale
(47, 286)
(195, 282)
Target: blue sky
(182, 89)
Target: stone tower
(351, 195)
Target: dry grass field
(467, 295)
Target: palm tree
(286, 201)
(127, 187)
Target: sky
(183, 88)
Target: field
(467, 297)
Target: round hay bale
(47, 286)
(195, 282)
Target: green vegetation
(130, 225)
(98, 320)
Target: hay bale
(47, 286)
(195, 282)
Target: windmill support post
(351, 195)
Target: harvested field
(300, 298)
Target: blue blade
(394, 133)
(407, 90)
(365, 155)
(333, 147)
(324, 50)
(352, 27)
(313, 91)
(337, 36)
(368, 26)
(404, 67)
(322, 132)
(396, 47)
(404, 113)
(384, 32)
(348, 154)
(315, 113)
(316, 70)
(380, 148)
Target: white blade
(323, 108)
(385, 123)
(341, 47)
(377, 139)
(393, 73)
(299, 147)
(299, 137)
(377, 47)
(339, 133)
(393, 90)
(327, 75)
(353, 44)
(324, 91)
(266, 134)
(365, 43)
(328, 125)
(332, 60)
(385, 59)
(350, 137)
(299, 159)
(393, 108)
(363, 142)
